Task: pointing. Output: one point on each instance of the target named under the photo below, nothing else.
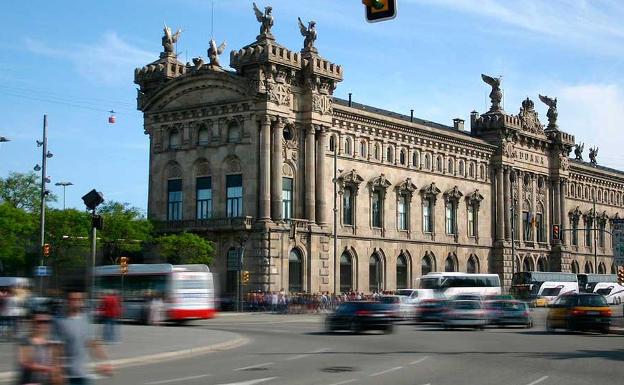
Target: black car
(361, 316)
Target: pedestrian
(75, 332)
(39, 356)
(110, 310)
(156, 310)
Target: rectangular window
(402, 213)
(588, 233)
(347, 207)
(174, 200)
(539, 223)
(427, 222)
(527, 226)
(575, 232)
(471, 221)
(601, 234)
(376, 209)
(204, 197)
(287, 198)
(234, 195)
(450, 218)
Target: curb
(618, 331)
(159, 357)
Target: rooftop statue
(214, 52)
(496, 95)
(578, 151)
(552, 111)
(265, 19)
(169, 40)
(310, 35)
(593, 153)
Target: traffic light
(123, 265)
(246, 276)
(620, 275)
(556, 236)
(380, 10)
(46, 249)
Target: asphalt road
(294, 350)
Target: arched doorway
(449, 264)
(541, 264)
(589, 268)
(346, 273)
(295, 271)
(375, 273)
(574, 267)
(602, 269)
(472, 267)
(402, 272)
(426, 265)
(527, 264)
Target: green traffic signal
(378, 4)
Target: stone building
(247, 158)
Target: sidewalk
(141, 344)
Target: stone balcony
(211, 224)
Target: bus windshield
(135, 287)
(430, 283)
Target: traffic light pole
(44, 153)
(93, 249)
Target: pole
(239, 286)
(44, 152)
(595, 236)
(513, 240)
(64, 197)
(93, 248)
(336, 266)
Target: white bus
(612, 291)
(187, 291)
(527, 285)
(587, 282)
(452, 284)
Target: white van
(549, 291)
(613, 292)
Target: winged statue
(265, 19)
(593, 153)
(169, 40)
(496, 95)
(578, 151)
(309, 33)
(552, 111)
(198, 63)
(214, 52)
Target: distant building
(246, 158)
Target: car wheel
(356, 327)
(328, 327)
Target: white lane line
(254, 366)
(300, 356)
(251, 382)
(385, 371)
(344, 382)
(418, 361)
(538, 380)
(181, 379)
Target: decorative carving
(496, 95)
(529, 118)
(266, 22)
(379, 182)
(576, 213)
(552, 111)
(198, 63)
(232, 164)
(430, 191)
(169, 40)
(593, 153)
(214, 52)
(349, 178)
(310, 36)
(322, 104)
(175, 171)
(287, 170)
(578, 151)
(564, 163)
(406, 187)
(280, 94)
(453, 195)
(474, 198)
(203, 168)
(508, 148)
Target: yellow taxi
(579, 311)
(540, 302)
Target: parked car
(579, 311)
(431, 310)
(359, 316)
(465, 313)
(509, 312)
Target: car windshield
(551, 291)
(605, 291)
(467, 305)
(591, 300)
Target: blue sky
(74, 60)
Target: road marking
(386, 371)
(181, 379)
(299, 356)
(251, 382)
(254, 366)
(418, 361)
(538, 380)
(344, 382)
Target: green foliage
(185, 248)
(23, 191)
(125, 229)
(17, 229)
(67, 232)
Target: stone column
(519, 185)
(276, 170)
(321, 178)
(264, 209)
(533, 188)
(507, 200)
(500, 207)
(563, 209)
(547, 218)
(556, 202)
(309, 174)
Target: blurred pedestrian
(75, 332)
(156, 310)
(110, 310)
(38, 356)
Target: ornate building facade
(248, 159)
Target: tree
(17, 228)
(67, 232)
(23, 191)
(125, 229)
(185, 248)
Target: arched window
(332, 143)
(613, 269)
(427, 162)
(602, 269)
(471, 170)
(439, 164)
(541, 265)
(450, 167)
(461, 168)
(174, 139)
(203, 136)
(449, 264)
(234, 132)
(527, 264)
(473, 265)
(390, 154)
(402, 157)
(295, 271)
(588, 267)
(232, 266)
(426, 265)
(348, 146)
(482, 172)
(346, 273)
(363, 147)
(375, 274)
(401, 272)
(377, 151)
(416, 159)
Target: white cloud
(109, 61)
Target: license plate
(593, 313)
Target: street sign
(43, 271)
(618, 242)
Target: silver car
(465, 313)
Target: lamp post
(92, 200)
(595, 220)
(4, 139)
(45, 154)
(64, 185)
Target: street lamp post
(4, 139)
(64, 185)
(45, 154)
(595, 236)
